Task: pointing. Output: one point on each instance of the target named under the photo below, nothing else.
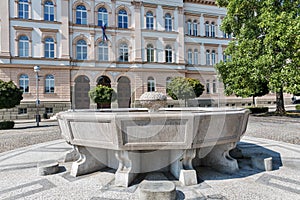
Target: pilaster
(5, 32)
(202, 26)
(137, 31)
(65, 36)
(180, 38)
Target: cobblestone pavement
(278, 128)
(25, 134)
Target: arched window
(168, 22)
(49, 48)
(196, 57)
(195, 28)
(207, 29)
(103, 51)
(122, 19)
(213, 29)
(23, 9)
(49, 11)
(168, 54)
(102, 17)
(189, 27)
(49, 84)
(149, 20)
(207, 57)
(24, 83)
(123, 53)
(81, 50)
(23, 46)
(81, 15)
(151, 84)
(213, 57)
(190, 56)
(150, 53)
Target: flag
(104, 36)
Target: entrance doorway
(124, 92)
(105, 81)
(82, 87)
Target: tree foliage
(266, 48)
(10, 95)
(184, 88)
(102, 94)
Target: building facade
(131, 46)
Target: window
(149, 20)
(23, 9)
(150, 53)
(190, 57)
(49, 84)
(151, 84)
(122, 19)
(49, 110)
(189, 27)
(123, 53)
(103, 51)
(207, 57)
(196, 57)
(213, 32)
(214, 86)
(24, 83)
(23, 46)
(168, 54)
(195, 28)
(207, 87)
(81, 15)
(213, 57)
(22, 111)
(49, 48)
(168, 22)
(49, 11)
(224, 58)
(102, 17)
(81, 50)
(207, 29)
(168, 81)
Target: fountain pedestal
(136, 141)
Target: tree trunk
(280, 102)
(253, 101)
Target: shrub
(10, 94)
(256, 110)
(102, 94)
(298, 107)
(7, 125)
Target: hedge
(256, 110)
(7, 125)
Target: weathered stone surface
(47, 167)
(157, 190)
(150, 141)
(262, 163)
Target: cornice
(205, 2)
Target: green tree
(184, 88)
(10, 95)
(265, 49)
(102, 95)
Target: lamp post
(37, 103)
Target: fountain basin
(136, 141)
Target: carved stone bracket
(88, 162)
(182, 168)
(219, 159)
(128, 163)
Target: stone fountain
(136, 141)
